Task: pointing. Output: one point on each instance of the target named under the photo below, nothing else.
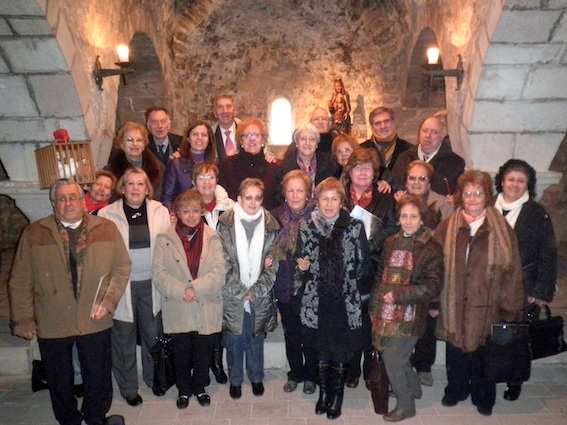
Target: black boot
(323, 369)
(337, 386)
(216, 362)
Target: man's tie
(161, 149)
(229, 146)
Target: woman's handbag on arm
(546, 336)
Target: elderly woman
(296, 188)
(302, 154)
(216, 200)
(515, 184)
(252, 134)
(101, 191)
(409, 275)
(247, 233)
(419, 176)
(130, 151)
(189, 271)
(483, 286)
(333, 261)
(341, 149)
(139, 220)
(196, 148)
(361, 176)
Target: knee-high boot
(323, 371)
(337, 386)
(216, 361)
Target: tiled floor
(543, 402)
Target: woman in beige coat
(189, 271)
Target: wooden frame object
(65, 160)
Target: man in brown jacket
(69, 273)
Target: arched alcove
(423, 95)
(146, 85)
(281, 124)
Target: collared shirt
(422, 155)
(232, 133)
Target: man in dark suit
(162, 142)
(385, 140)
(225, 128)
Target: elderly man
(385, 140)
(320, 118)
(69, 273)
(431, 149)
(162, 143)
(225, 128)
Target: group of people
(378, 247)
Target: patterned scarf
(309, 169)
(192, 240)
(286, 241)
(80, 252)
(365, 197)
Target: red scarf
(192, 240)
(365, 198)
(92, 206)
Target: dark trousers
(192, 351)
(94, 352)
(464, 377)
(354, 364)
(425, 350)
(300, 369)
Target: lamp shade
(123, 53)
(433, 55)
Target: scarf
(78, 257)
(192, 240)
(365, 198)
(324, 226)
(286, 241)
(499, 255)
(386, 146)
(309, 169)
(250, 258)
(513, 208)
(91, 206)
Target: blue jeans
(237, 345)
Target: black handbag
(164, 368)
(546, 336)
(506, 355)
(38, 376)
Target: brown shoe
(397, 415)
(352, 383)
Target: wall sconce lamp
(435, 69)
(123, 55)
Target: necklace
(137, 214)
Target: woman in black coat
(515, 184)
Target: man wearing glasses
(162, 143)
(431, 149)
(69, 273)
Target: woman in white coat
(189, 272)
(139, 220)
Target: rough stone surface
(526, 26)
(30, 26)
(31, 55)
(21, 104)
(503, 83)
(12, 223)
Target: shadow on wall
(12, 223)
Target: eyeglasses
(422, 179)
(345, 150)
(70, 198)
(250, 198)
(251, 136)
(156, 122)
(308, 139)
(134, 140)
(475, 194)
(205, 178)
(363, 169)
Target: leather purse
(546, 336)
(379, 384)
(164, 368)
(506, 355)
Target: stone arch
(145, 87)
(420, 100)
(517, 113)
